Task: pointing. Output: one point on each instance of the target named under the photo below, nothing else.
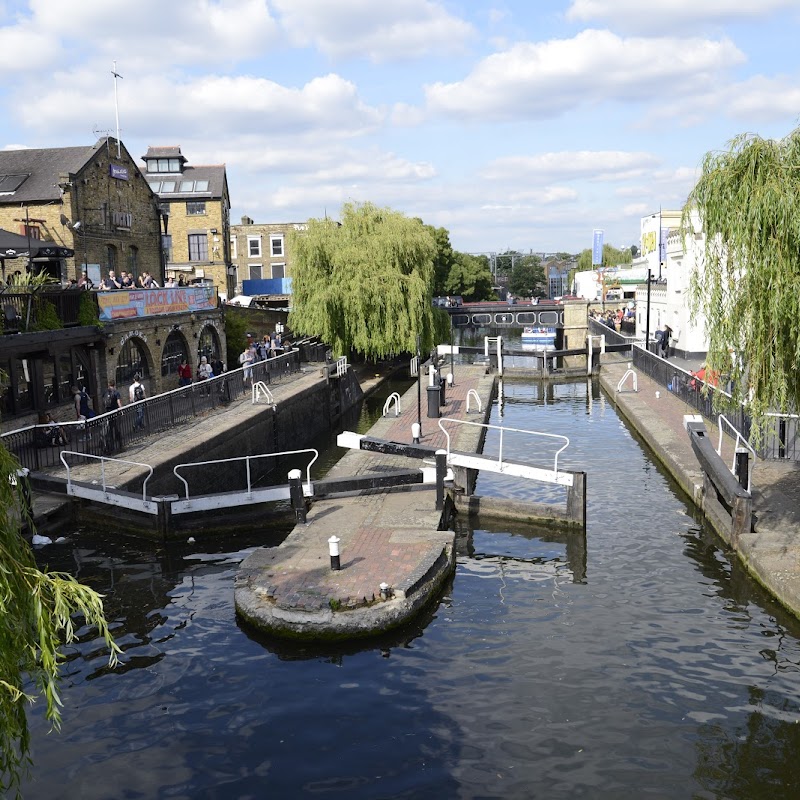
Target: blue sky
(515, 124)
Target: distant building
(195, 209)
(91, 199)
(260, 252)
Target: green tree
(470, 277)
(746, 284)
(528, 278)
(366, 284)
(38, 612)
(611, 257)
(443, 260)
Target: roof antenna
(116, 105)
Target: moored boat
(539, 338)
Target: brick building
(93, 200)
(259, 250)
(195, 207)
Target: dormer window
(163, 165)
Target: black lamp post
(163, 213)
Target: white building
(669, 295)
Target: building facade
(260, 250)
(195, 210)
(93, 200)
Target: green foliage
(38, 612)
(443, 260)
(504, 262)
(235, 334)
(88, 315)
(470, 277)
(528, 278)
(611, 257)
(45, 316)
(366, 284)
(748, 201)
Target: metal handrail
(472, 393)
(413, 367)
(247, 460)
(502, 429)
(739, 438)
(623, 379)
(260, 389)
(102, 460)
(394, 396)
(341, 366)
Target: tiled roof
(43, 167)
(170, 151)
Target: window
(255, 272)
(155, 186)
(32, 232)
(168, 186)
(195, 207)
(276, 245)
(233, 248)
(254, 247)
(133, 261)
(208, 344)
(130, 361)
(164, 165)
(198, 247)
(187, 186)
(166, 246)
(111, 256)
(279, 270)
(174, 351)
(201, 186)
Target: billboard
(126, 304)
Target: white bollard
(333, 548)
(416, 432)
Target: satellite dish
(64, 219)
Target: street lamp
(163, 213)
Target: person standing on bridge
(111, 402)
(184, 373)
(246, 359)
(136, 393)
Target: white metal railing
(102, 460)
(737, 440)
(503, 430)
(413, 367)
(341, 366)
(260, 390)
(247, 459)
(470, 394)
(394, 397)
(622, 380)
(487, 340)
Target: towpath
(771, 554)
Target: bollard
(296, 495)
(434, 395)
(384, 590)
(416, 432)
(742, 470)
(442, 384)
(333, 548)
(441, 473)
(450, 379)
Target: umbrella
(12, 245)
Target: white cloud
(401, 29)
(545, 80)
(566, 165)
(665, 15)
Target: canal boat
(539, 338)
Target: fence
(114, 431)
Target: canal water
(639, 662)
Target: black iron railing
(39, 446)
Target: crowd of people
(622, 320)
(269, 346)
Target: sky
(523, 124)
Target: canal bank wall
(771, 552)
(303, 409)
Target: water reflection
(657, 670)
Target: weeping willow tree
(39, 611)
(365, 284)
(747, 282)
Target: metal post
(296, 495)
(419, 391)
(441, 473)
(743, 468)
(647, 322)
(452, 369)
(333, 549)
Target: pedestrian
(246, 360)
(184, 373)
(136, 394)
(204, 370)
(111, 402)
